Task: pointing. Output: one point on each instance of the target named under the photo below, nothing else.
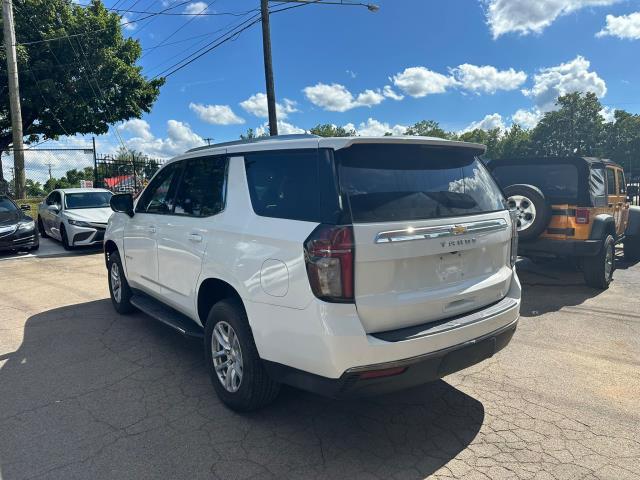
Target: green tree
(80, 76)
(576, 128)
(622, 140)
(33, 188)
(491, 138)
(516, 142)
(251, 133)
(329, 130)
(428, 128)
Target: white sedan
(75, 216)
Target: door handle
(152, 229)
(194, 237)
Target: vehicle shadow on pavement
(549, 285)
(90, 394)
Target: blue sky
(462, 63)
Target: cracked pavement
(85, 393)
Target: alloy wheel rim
(227, 356)
(608, 266)
(116, 284)
(524, 209)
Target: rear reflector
(582, 216)
(387, 372)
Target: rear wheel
(41, 229)
(118, 286)
(531, 209)
(598, 270)
(632, 249)
(237, 373)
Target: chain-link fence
(47, 169)
(125, 174)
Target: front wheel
(118, 286)
(598, 270)
(237, 373)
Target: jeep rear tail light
(329, 253)
(582, 216)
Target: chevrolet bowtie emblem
(458, 229)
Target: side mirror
(122, 203)
(54, 208)
(25, 207)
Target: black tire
(41, 229)
(534, 196)
(256, 389)
(596, 270)
(632, 249)
(121, 302)
(65, 240)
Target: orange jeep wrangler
(571, 207)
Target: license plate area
(450, 267)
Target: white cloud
(284, 128)
(127, 24)
(337, 98)
(375, 128)
(487, 79)
(420, 81)
(573, 76)
(608, 114)
(257, 105)
(489, 122)
(527, 119)
(194, 8)
(532, 16)
(179, 138)
(216, 114)
(624, 26)
(389, 92)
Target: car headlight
(79, 223)
(26, 226)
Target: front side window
(54, 199)
(611, 182)
(87, 200)
(385, 183)
(284, 184)
(201, 191)
(158, 196)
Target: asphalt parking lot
(85, 393)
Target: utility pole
(14, 97)
(268, 67)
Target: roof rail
(297, 136)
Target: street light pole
(14, 98)
(268, 68)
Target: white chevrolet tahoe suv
(343, 266)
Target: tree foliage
(329, 130)
(428, 128)
(80, 81)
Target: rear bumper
(324, 348)
(411, 372)
(560, 248)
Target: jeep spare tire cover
(531, 209)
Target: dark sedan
(17, 230)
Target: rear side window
(621, 183)
(384, 183)
(201, 191)
(284, 184)
(611, 182)
(597, 187)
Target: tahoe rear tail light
(329, 254)
(582, 216)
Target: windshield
(8, 210)
(386, 183)
(87, 200)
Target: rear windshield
(87, 200)
(384, 183)
(558, 182)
